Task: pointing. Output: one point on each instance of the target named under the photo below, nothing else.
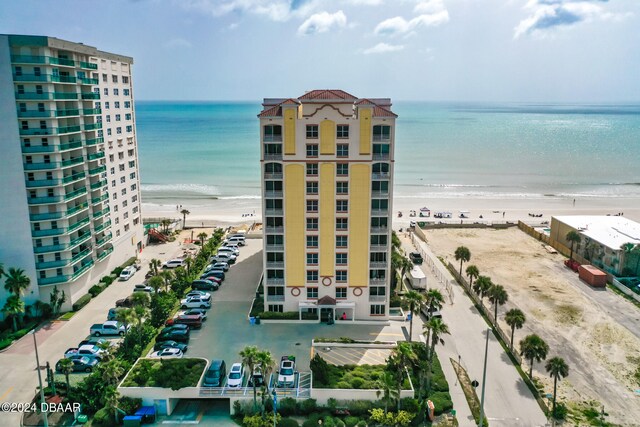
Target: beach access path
(508, 400)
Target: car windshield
(286, 371)
(212, 374)
(84, 360)
(234, 375)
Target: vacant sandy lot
(576, 321)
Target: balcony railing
(63, 79)
(71, 145)
(71, 162)
(90, 95)
(96, 156)
(377, 282)
(275, 264)
(34, 95)
(65, 95)
(105, 239)
(82, 270)
(31, 78)
(99, 184)
(44, 200)
(42, 183)
(274, 281)
(103, 226)
(275, 297)
(104, 254)
(274, 247)
(94, 141)
(50, 248)
(277, 230)
(61, 61)
(46, 216)
(378, 264)
(79, 240)
(91, 111)
(68, 112)
(78, 225)
(77, 257)
(379, 248)
(28, 59)
(272, 138)
(100, 199)
(102, 212)
(76, 209)
(97, 170)
(88, 65)
(51, 264)
(38, 149)
(379, 230)
(35, 113)
(381, 138)
(273, 175)
(74, 194)
(93, 126)
(377, 298)
(273, 194)
(67, 129)
(380, 212)
(48, 233)
(380, 193)
(52, 280)
(273, 211)
(380, 156)
(38, 131)
(41, 166)
(73, 178)
(277, 156)
(87, 81)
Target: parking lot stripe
(6, 393)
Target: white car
(168, 353)
(233, 249)
(143, 288)
(127, 273)
(173, 263)
(204, 295)
(224, 257)
(195, 302)
(236, 375)
(222, 265)
(287, 372)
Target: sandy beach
(233, 211)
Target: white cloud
(399, 25)
(429, 6)
(177, 43)
(276, 10)
(323, 22)
(383, 48)
(366, 2)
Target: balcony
(273, 175)
(380, 212)
(48, 233)
(275, 297)
(85, 267)
(34, 96)
(103, 240)
(101, 213)
(72, 162)
(41, 166)
(94, 141)
(380, 156)
(379, 248)
(274, 230)
(273, 212)
(51, 264)
(68, 129)
(71, 145)
(274, 247)
(67, 112)
(38, 131)
(35, 114)
(93, 126)
(52, 280)
(88, 65)
(46, 216)
(79, 240)
(103, 226)
(42, 183)
(273, 194)
(378, 264)
(44, 200)
(63, 79)
(275, 264)
(96, 156)
(87, 81)
(272, 156)
(90, 95)
(275, 281)
(102, 255)
(91, 111)
(379, 230)
(97, 170)
(380, 193)
(377, 298)
(50, 248)
(73, 178)
(99, 184)
(61, 61)
(381, 138)
(272, 138)
(28, 59)
(78, 225)
(77, 257)
(65, 95)
(76, 193)
(77, 209)
(38, 149)
(377, 281)
(100, 199)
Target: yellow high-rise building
(327, 174)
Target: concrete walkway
(508, 401)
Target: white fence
(625, 289)
(436, 267)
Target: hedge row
(81, 302)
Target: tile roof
(324, 94)
(275, 111)
(272, 107)
(379, 111)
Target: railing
(275, 297)
(72, 162)
(273, 175)
(78, 224)
(63, 79)
(100, 199)
(28, 59)
(274, 281)
(103, 226)
(90, 95)
(105, 239)
(41, 166)
(273, 194)
(97, 170)
(88, 65)
(91, 111)
(39, 149)
(79, 208)
(47, 233)
(380, 212)
(46, 216)
(61, 61)
(381, 156)
(379, 230)
(381, 138)
(51, 264)
(269, 229)
(381, 175)
(76, 193)
(378, 264)
(99, 184)
(77, 257)
(380, 193)
(87, 81)
(38, 131)
(72, 178)
(94, 141)
(273, 211)
(52, 280)
(70, 145)
(65, 95)
(104, 253)
(93, 126)
(82, 270)
(275, 264)
(79, 240)
(273, 156)
(34, 95)
(44, 200)
(377, 298)
(272, 138)
(31, 78)
(67, 112)
(274, 247)
(50, 248)
(42, 183)
(96, 156)
(35, 113)
(379, 247)
(102, 212)
(68, 129)
(377, 282)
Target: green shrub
(560, 412)
(6, 342)
(410, 404)
(357, 382)
(81, 302)
(308, 406)
(287, 406)
(272, 315)
(129, 405)
(351, 421)
(359, 407)
(288, 422)
(20, 333)
(441, 402)
(361, 423)
(107, 280)
(310, 423)
(103, 417)
(169, 373)
(342, 384)
(395, 301)
(115, 271)
(95, 290)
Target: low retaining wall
(368, 344)
(625, 289)
(322, 395)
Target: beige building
(327, 170)
(70, 199)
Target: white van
(240, 241)
(173, 263)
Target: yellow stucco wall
(359, 206)
(294, 185)
(289, 130)
(327, 137)
(364, 114)
(327, 219)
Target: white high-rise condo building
(70, 191)
(327, 174)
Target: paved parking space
(203, 412)
(353, 356)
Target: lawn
(170, 373)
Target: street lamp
(484, 378)
(42, 402)
(275, 406)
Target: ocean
(204, 150)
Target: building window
(134, 187)
(121, 168)
(132, 164)
(119, 130)
(132, 175)
(112, 171)
(342, 169)
(125, 79)
(116, 104)
(276, 308)
(312, 131)
(118, 118)
(341, 241)
(342, 131)
(342, 150)
(312, 224)
(312, 187)
(113, 183)
(134, 199)
(115, 208)
(312, 241)
(341, 293)
(312, 206)
(114, 78)
(108, 132)
(312, 275)
(341, 259)
(117, 232)
(126, 227)
(312, 259)
(129, 128)
(136, 221)
(108, 118)
(124, 204)
(272, 133)
(342, 206)
(106, 91)
(381, 133)
(342, 187)
(312, 150)
(127, 116)
(312, 169)
(117, 220)
(104, 78)
(377, 310)
(125, 215)
(312, 293)
(341, 275)
(125, 92)
(378, 291)
(116, 92)
(342, 224)
(127, 104)
(122, 179)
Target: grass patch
(567, 314)
(171, 373)
(623, 295)
(363, 377)
(469, 392)
(68, 315)
(588, 413)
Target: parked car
(125, 302)
(287, 372)
(80, 364)
(204, 284)
(222, 265)
(236, 375)
(224, 257)
(415, 257)
(173, 263)
(112, 313)
(213, 279)
(109, 327)
(87, 350)
(192, 321)
(170, 344)
(176, 327)
(196, 312)
(127, 273)
(167, 353)
(178, 335)
(214, 273)
(233, 250)
(431, 314)
(143, 288)
(202, 294)
(257, 378)
(215, 375)
(95, 341)
(195, 302)
(238, 240)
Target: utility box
(592, 276)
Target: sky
(567, 51)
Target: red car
(193, 321)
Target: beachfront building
(608, 242)
(327, 179)
(70, 193)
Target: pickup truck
(287, 372)
(87, 350)
(108, 328)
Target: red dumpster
(592, 276)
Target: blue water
(205, 150)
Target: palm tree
(557, 369)
(140, 299)
(165, 223)
(400, 357)
(498, 296)
(167, 276)
(249, 356)
(1, 269)
(111, 397)
(435, 329)
(154, 266)
(515, 318)
(434, 300)
(184, 213)
(156, 282)
(13, 307)
(66, 367)
(112, 371)
(17, 282)
(202, 236)
(414, 301)
(124, 316)
(482, 286)
(574, 238)
(636, 250)
(266, 363)
(386, 385)
(462, 254)
(188, 262)
(532, 347)
(473, 273)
